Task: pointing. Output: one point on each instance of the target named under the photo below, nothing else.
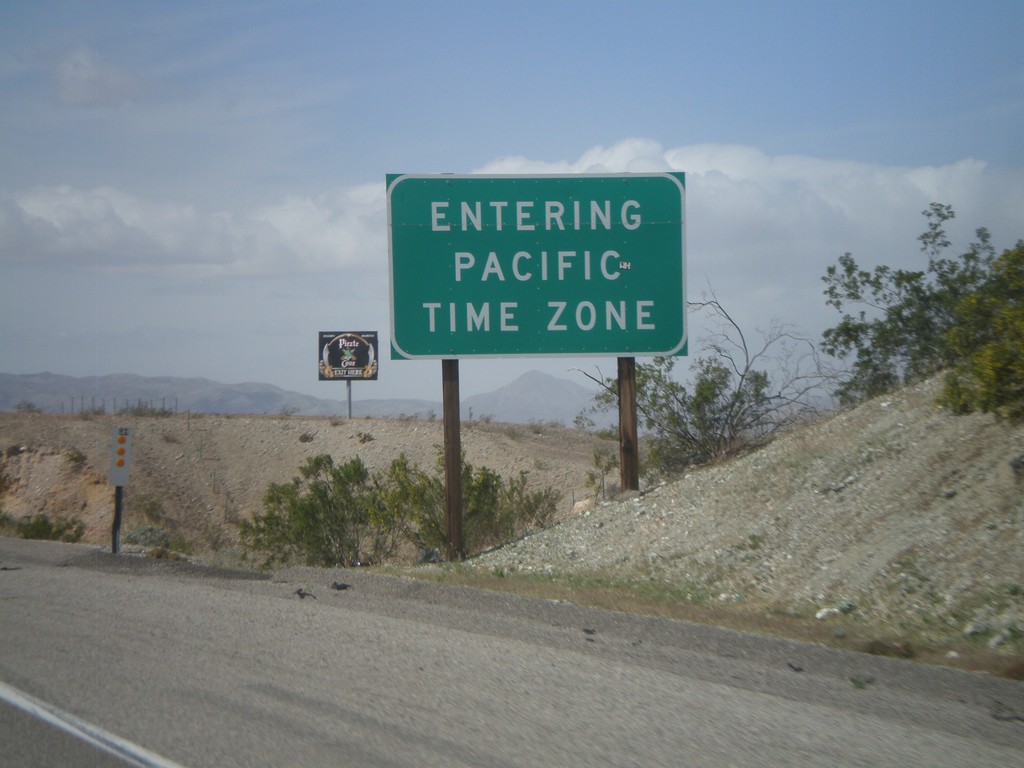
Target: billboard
(347, 355)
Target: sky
(196, 189)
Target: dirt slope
(197, 476)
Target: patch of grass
(148, 536)
(163, 553)
(898, 650)
(76, 459)
(149, 507)
(753, 543)
(860, 682)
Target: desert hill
(532, 397)
(196, 476)
(895, 512)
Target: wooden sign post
(452, 459)
(629, 455)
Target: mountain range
(533, 397)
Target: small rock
(1017, 465)
(996, 640)
(975, 628)
(824, 613)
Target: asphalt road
(110, 660)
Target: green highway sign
(496, 266)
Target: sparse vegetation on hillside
(741, 394)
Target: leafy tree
(695, 424)
(987, 340)
(896, 323)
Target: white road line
(130, 753)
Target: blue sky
(195, 189)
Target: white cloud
(107, 229)
(761, 229)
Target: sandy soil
(198, 476)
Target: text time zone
(560, 316)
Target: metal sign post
(120, 464)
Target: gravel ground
(896, 510)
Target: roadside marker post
(120, 464)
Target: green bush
(41, 527)
(988, 341)
(334, 515)
(76, 458)
(320, 518)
